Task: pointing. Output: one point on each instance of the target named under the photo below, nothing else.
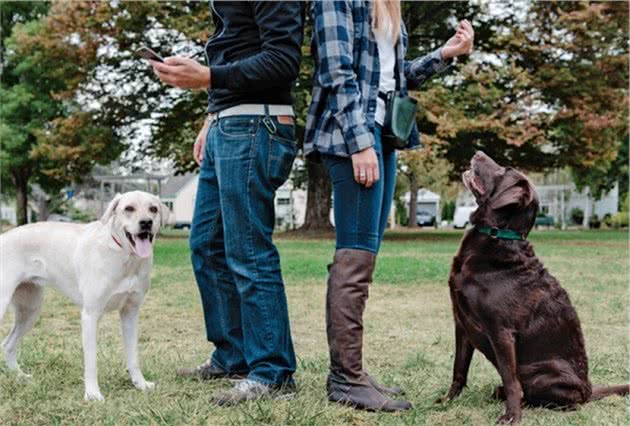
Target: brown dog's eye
(153, 209)
(129, 209)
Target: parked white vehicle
(461, 219)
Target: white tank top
(387, 58)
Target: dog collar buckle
(502, 234)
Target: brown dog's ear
(515, 189)
(111, 208)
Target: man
(245, 149)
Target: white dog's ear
(111, 209)
(165, 214)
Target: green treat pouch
(400, 115)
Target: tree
(23, 109)
(46, 136)
(424, 169)
(551, 94)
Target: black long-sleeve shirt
(254, 54)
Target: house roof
(424, 195)
(174, 184)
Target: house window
(284, 201)
(169, 204)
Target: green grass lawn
(408, 341)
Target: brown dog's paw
(442, 400)
(509, 419)
(453, 392)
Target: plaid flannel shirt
(340, 118)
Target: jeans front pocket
(282, 151)
(238, 125)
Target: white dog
(101, 266)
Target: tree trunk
(21, 198)
(318, 201)
(413, 200)
(43, 211)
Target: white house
(428, 204)
(8, 213)
(290, 206)
(559, 200)
(179, 192)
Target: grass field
(409, 341)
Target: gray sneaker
(207, 371)
(249, 390)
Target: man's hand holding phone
(178, 71)
(181, 72)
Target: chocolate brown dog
(507, 305)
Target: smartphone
(146, 53)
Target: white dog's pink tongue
(143, 247)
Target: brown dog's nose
(479, 155)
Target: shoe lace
(206, 364)
(248, 385)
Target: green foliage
(448, 210)
(577, 215)
(80, 216)
(46, 135)
(619, 220)
(402, 215)
(549, 90)
(623, 203)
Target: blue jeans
(236, 264)
(361, 213)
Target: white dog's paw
(93, 396)
(23, 376)
(144, 385)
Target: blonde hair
(384, 12)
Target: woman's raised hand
(461, 43)
(365, 166)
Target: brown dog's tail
(600, 392)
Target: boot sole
(358, 406)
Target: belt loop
(268, 122)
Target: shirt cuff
(440, 64)
(358, 139)
(219, 75)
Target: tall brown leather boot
(348, 282)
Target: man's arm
(280, 24)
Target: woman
(359, 49)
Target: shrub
(401, 212)
(594, 222)
(80, 216)
(448, 210)
(607, 219)
(620, 220)
(577, 215)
